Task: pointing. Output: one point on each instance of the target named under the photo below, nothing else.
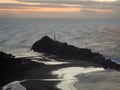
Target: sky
(83, 9)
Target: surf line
(68, 76)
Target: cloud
(65, 3)
(70, 3)
(82, 7)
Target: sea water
(18, 35)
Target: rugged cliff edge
(63, 50)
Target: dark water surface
(18, 35)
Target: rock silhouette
(11, 67)
(63, 50)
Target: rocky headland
(63, 50)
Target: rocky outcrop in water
(11, 67)
(63, 50)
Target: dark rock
(11, 67)
(45, 44)
(63, 50)
(50, 46)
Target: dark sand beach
(41, 78)
(37, 75)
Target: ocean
(18, 34)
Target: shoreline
(68, 75)
(35, 79)
(104, 80)
(36, 75)
(36, 70)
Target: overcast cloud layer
(76, 8)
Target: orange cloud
(39, 9)
(7, 1)
(17, 2)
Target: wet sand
(86, 76)
(74, 75)
(105, 80)
(36, 75)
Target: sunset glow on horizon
(41, 9)
(78, 7)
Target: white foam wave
(68, 74)
(14, 86)
(51, 62)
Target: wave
(18, 36)
(68, 74)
